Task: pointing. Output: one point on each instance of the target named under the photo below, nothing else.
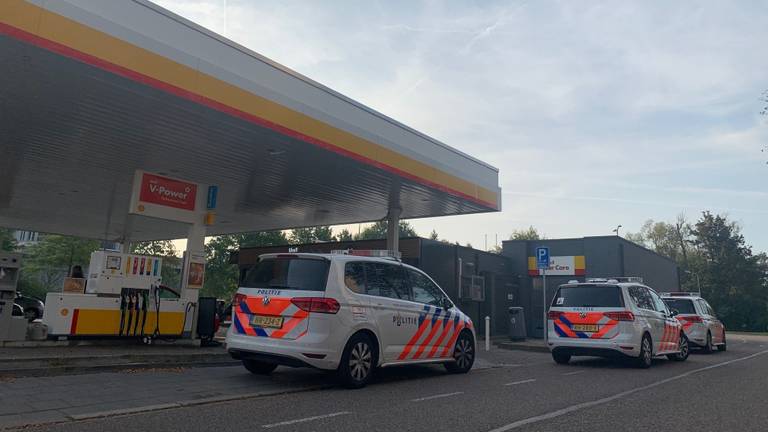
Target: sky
(596, 113)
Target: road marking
(436, 396)
(306, 419)
(520, 382)
(583, 405)
(574, 373)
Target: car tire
(259, 368)
(561, 357)
(357, 362)
(685, 349)
(708, 348)
(723, 346)
(463, 354)
(644, 360)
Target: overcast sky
(596, 113)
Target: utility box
(517, 330)
(11, 328)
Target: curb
(512, 346)
(82, 370)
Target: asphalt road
(715, 392)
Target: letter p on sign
(542, 257)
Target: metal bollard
(487, 333)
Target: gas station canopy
(92, 91)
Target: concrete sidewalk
(37, 400)
(57, 360)
(535, 345)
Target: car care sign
(163, 197)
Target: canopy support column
(190, 292)
(393, 229)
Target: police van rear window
(682, 306)
(304, 274)
(588, 296)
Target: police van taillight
(554, 315)
(316, 304)
(238, 298)
(620, 316)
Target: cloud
(595, 113)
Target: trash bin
(517, 330)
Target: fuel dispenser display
(124, 298)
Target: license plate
(585, 327)
(267, 321)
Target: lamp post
(617, 230)
(698, 281)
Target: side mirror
(447, 304)
(674, 312)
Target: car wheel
(708, 348)
(646, 353)
(463, 353)
(723, 346)
(31, 314)
(357, 362)
(561, 357)
(684, 349)
(259, 368)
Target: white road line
(436, 396)
(306, 419)
(520, 382)
(574, 373)
(583, 405)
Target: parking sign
(542, 258)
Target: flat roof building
(579, 259)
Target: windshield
(588, 296)
(288, 273)
(682, 306)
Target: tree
(733, 280)
(433, 235)
(526, 234)
(7, 241)
(379, 231)
(171, 269)
(261, 238)
(344, 235)
(311, 235)
(49, 261)
(221, 277)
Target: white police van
(350, 311)
(608, 318)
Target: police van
(701, 325)
(348, 311)
(608, 318)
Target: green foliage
(171, 270)
(344, 235)
(713, 256)
(311, 235)
(379, 231)
(733, 280)
(48, 262)
(526, 234)
(7, 241)
(221, 277)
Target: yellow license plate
(267, 321)
(585, 327)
